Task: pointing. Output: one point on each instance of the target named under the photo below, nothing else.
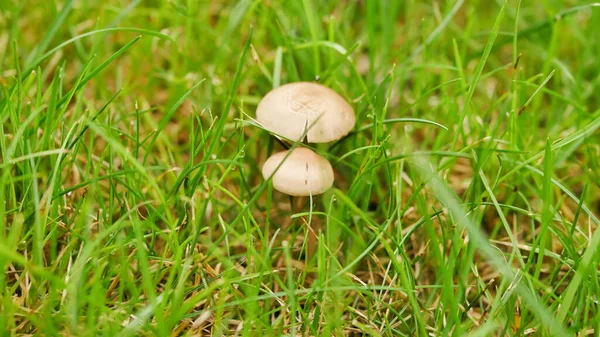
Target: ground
(465, 201)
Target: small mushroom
(302, 173)
(293, 108)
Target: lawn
(466, 199)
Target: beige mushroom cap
(292, 108)
(302, 173)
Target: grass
(466, 199)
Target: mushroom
(302, 173)
(294, 108)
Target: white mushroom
(302, 173)
(293, 108)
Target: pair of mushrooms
(303, 109)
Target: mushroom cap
(302, 173)
(294, 107)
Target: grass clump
(466, 199)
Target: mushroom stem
(314, 224)
(312, 239)
(297, 203)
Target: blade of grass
(481, 242)
(314, 33)
(480, 65)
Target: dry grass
(156, 219)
